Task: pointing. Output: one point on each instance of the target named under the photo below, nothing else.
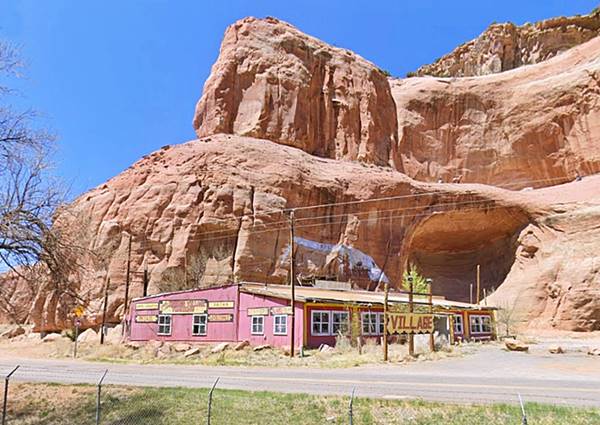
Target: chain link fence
(100, 402)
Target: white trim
(312, 321)
(347, 324)
(170, 325)
(482, 317)
(262, 325)
(458, 320)
(362, 323)
(285, 324)
(199, 324)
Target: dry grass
(343, 355)
(44, 404)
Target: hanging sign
(220, 317)
(182, 306)
(220, 304)
(146, 318)
(409, 323)
(281, 310)
(259, 311)
(146, 306)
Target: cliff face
(506, 46)
(327, 128)
(533, 126)
(273, 82)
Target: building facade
(261, 314)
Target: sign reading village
(409, 323)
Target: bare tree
(32, 248)
(507, 317)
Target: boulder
(556, 349)
(515, 345)
(262, 347)
(89, 336)
(53, 337)
(241, 345)
(192, 352)
(324, 348)
(181, 347)
(114, 335)
(219, 347)
(14, 332)
(594, 351)
(133, 345)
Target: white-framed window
(280, 324)
(320, 322)
(369, 323)
(381, 323)
(164, 324)
(458, 324)
(258, 325)
(340, 323)
(199, 322)
(481, 324)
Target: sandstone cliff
(273, 82)
(533, 126)
(507, 46)
(286, 121)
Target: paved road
(489, 375)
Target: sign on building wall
(258, 311)
(281, 310)
(146, 318)
(409, 323)
(182, 306)
(220, 304)
(220, 317)
(146, 306)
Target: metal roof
(308, 294)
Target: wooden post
(127, 277)
(478, 282)
(293, 285)
(484, 297)
(145, 282)
(431, 336)
(104, 310)
(386, 289)
(411, 337)
(5, 398)
(470, 293)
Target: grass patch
(46, 404)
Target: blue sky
(117, 79)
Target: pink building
(261, 314)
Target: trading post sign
(182, 306)
(409, 323)
(146, 318)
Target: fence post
(350, 413)
(98, 397)
(523, 414)
(4, 403)
(210, 393)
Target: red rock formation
(214, 206)
(533, 126)
(506, 46)
(273, 82)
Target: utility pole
(411, 336)
(293, 285)
(127, 275)
(478, 282)
(386, 289)
(145, 282)
(104, 310)
(431, 339)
